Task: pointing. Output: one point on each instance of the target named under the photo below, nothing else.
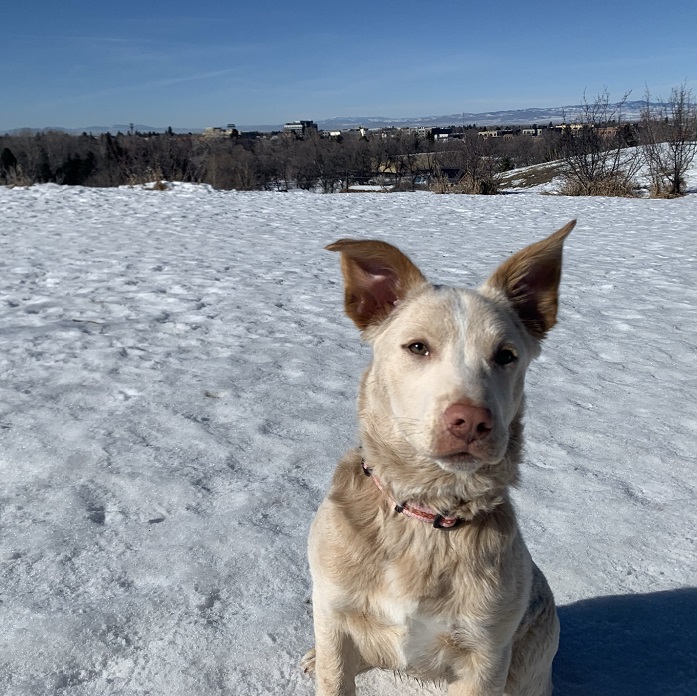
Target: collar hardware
(416, 512)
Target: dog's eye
(418, 348)
(504, 356)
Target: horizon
(192, 68)
(398, 122)
(485, 119)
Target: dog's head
(446, 382)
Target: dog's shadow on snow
(629, 645)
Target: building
(506, 133)
(300, 128)
(441, 133)
(607, 131)
(571, 127)
(218, 132)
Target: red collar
(415, 511)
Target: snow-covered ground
(177, 382)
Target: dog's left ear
(530, 281)
(376, 275)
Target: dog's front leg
(482, 673)
(337, 659)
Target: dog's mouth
(467, 454)
(463, 461)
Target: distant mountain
(512, 117)
(98, 130)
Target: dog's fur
(440, 411)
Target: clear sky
(196, 64)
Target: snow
(177, 381)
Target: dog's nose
(468, 422)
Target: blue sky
(188, 64)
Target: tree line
(595, 151)
(403, 158)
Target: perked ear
(377, 276)
(530, 281)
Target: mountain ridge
(507, 117)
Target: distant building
(535, 131)
(607, 131)
(219, 132)
(571, 127)
(300, 128)
(441, 133)
(505, 133)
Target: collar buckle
(439, 521)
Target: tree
(593, 151)
(479, 161)
(7, 159)
(669, 140)
(358, 153)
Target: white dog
(417, 561)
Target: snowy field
(177, 382)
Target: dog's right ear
(377, 276)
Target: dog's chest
(420, 638)
(421, 632)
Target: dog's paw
(308, 662)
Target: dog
(417, 561)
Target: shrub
(613, 184)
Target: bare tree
(358, 158)
(302, 165)
(669, 140)
(410, 164)
(479, 161)
(329, 162)
(593, 148)
(274, 163)
(433, 163)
